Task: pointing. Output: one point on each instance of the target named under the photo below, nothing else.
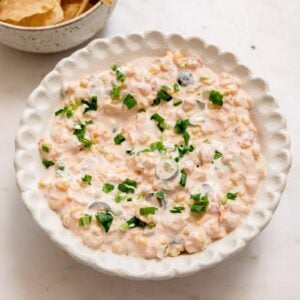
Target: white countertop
(32, 267)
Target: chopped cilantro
(89, 122)
(85, 220)
(217, 155)
(47, 163)
(141, 110)
(90, 105)
(216, 97)
(161, 124)
(108, 187)
(183, 178)
(200, 203)
(177, 209)
(145, 211)
(206, 141)
(105, 220)
(87, 179)
(119, 139)
(129, 101)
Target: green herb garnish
(119, 75)
(183, 178)
(177, 209)
(105, 220)
(130, 151)
(87, 179)
(145, 211)
(162, 94)
(217, 155)
(47, 163)
(90, 105)
(64, 111)
(177, 102)
(157, 146)
(107, 187)
(216, 97)
(45, 148)
(182, 150)
(186, 137)
(181, 126)
(119, 198)
(85, 220)
(89, 122)
(79, 131)
(116, 92)
(136, 222)
(176, 87)
(231, 196)
(130, 182)
(129, 101)
(161, 124)
(141, 110)
(200, 203)
(119, 139)
(61, 167)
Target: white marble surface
(31, 267)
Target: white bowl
(59, 37)
(101, 54)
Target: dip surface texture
(157, 157)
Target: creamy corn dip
(152, 158)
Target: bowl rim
(54, 26)
(127, 266)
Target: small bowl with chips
(48, 26)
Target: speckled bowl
(59, 37)
(99, 55)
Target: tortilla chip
(107, 2)
(54, 16)
(17, 10)
(70, 10)
(83, 5)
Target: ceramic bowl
(59, 37)
(101, 54)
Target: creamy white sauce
(226, 129)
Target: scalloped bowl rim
(274, 137)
